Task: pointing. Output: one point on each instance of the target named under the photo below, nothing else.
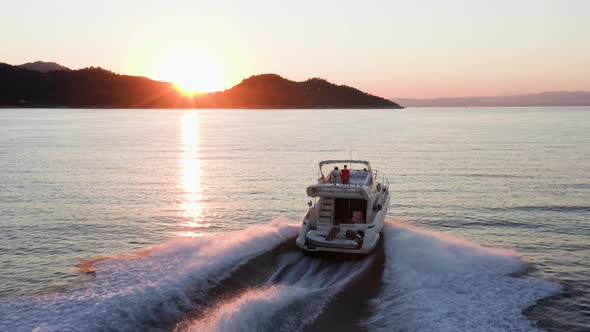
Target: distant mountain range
(551, 98)
(42, 66)
(42, 84)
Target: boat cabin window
(348, 211)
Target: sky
(410, 49)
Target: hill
(88, 87)
(551, 98)
(274, 91)
(100, 88)
(42, 66)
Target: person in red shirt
(345, 175)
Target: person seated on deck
(357, 217)
(345, 175)
(335, 175)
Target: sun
(194, 77)
(193, 68)
(191, 72)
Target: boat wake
(291, 298)
(437, 282)
(255, 279)
(146, 291)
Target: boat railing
(335, 184)
(353, 185)
(356, 179)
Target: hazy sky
(419, 48)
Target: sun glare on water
(191, 200)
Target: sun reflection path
(191, 201)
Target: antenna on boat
(351, 152)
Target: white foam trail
(437, 282)
(255, 310)
(288, 305)
(129, 293)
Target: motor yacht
(345, 215)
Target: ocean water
(185, 220)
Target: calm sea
(182, 219)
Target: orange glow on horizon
(188, 90)
(191, 69)
(191, 72)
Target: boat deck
(357, 178)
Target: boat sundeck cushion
(319, 238)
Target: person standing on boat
(345, 175)
(335, 175)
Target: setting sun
(191, 72)
(192, 67)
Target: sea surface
(160, 220)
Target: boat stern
(339, 239)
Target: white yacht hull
(310, 240)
